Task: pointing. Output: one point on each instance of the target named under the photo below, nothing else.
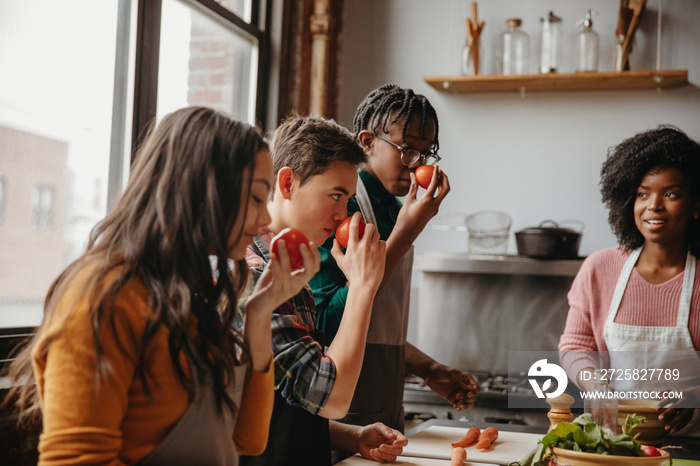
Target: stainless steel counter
(457, 262)
(473, 310)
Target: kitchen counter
(690, 446)
(473, 310)
(457, 262)
(428, 445)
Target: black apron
(297, 437)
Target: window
(77, 87)
(42, 207)
(204, 61)
(2, 201)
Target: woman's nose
(264, 219)
(655, 203)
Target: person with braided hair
(398, 129)
(643, 297)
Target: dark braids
(389, 101)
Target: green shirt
(329, 285)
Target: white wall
(536, 157)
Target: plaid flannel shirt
(304, 375)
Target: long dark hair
(180, 205)
(626, 165)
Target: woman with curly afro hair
(642, 298)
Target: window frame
(136, 87)
(3, 196)
(148, 53)
(43, 215)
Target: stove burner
(517, 420)
(491, 384)
(491, 405)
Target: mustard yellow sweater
(111, 420)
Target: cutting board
(434, 442)
(402, 460)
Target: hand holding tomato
(342, 233)
(294, 261)
(424, 174)
(293, 238)
(364, 258)
(416, 211)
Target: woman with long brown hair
(136, 360)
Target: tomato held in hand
(650, 450)
(424, 174)
(342, 233)
(292, 239)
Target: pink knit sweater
(643, 304)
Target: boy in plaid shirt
(315, 162)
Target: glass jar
(469, 67)
(603, 409)
(587, 45)
(551, 43)
(513, 50)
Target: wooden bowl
(651, 432)
(579, 458)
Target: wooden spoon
(474, 28)
(637, 7)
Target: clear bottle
(468, 65)
(587, 45)
(514, 49)
(551, 43)
(602, 409)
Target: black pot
(549, 242)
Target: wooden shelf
(557, 82)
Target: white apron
(663, 347)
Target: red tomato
(342, 233)
(292, 238)
(650, 450)
(424, 174)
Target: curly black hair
(626, 165)
(391, 100)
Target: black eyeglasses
(409, 155)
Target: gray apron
(204, 434)
(379, 392)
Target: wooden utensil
(474, 28)
(637, 7)
(623, 19)
(560, 410)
